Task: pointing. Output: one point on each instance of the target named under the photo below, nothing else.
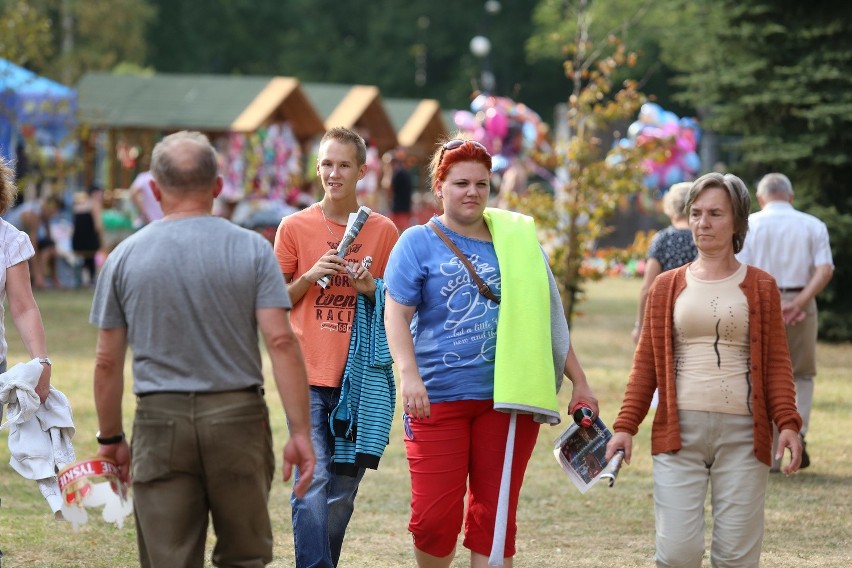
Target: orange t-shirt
(323, 318)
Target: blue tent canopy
(27, 99)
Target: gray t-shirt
(187, 291)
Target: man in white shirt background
(794, 248)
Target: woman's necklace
(330, 232)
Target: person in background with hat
(202, 444)
(793, 247)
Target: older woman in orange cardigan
(713, 344)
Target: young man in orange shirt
(306, 246)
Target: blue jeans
(321, 516)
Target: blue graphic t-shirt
(454, 326)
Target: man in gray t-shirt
(188, 294)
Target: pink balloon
(465, 120)
(683, 145)
(688, 136)
(496, 123)
(480, 135)
(653, 132)
(670, 129)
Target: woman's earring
(440, 195)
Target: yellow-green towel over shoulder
(523, 365)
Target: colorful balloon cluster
(505, 127)
(680, 137)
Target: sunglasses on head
(456, 143)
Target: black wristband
(109, 441)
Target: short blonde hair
(674, 201)
(348, 136)
(8, 189)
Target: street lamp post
(480, 47)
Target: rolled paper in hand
(348, 238)
(613, 467)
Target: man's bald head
(184, 161)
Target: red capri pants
(463, 441)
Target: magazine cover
(580, 452)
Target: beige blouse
(711, 346)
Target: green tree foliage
(63, 39)
(388, 43)
(639, 24)
(219, 36)
(106, 33)
(779, 76)
(25, 34)
(594, 177)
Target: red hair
(443, 160)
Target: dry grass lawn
(808, 516)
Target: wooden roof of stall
(359, 107)
(236, 103)
(211, 103)
(419, 123)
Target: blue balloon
(478, 103)
(499, 163)
(669, 117)
(673, 175)
(530, 133)
(635, 129)
(652, 180)
(614, 158)
(692, 162)
(688, 122)
(651, 113)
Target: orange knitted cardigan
(773, 390)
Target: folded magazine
(581, 453)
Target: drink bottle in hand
(583, 414)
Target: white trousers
(716, 450)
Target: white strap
(498, 545)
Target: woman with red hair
(477, 331)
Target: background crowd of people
(73, 230)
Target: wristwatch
(45, 361)
(111, 440)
